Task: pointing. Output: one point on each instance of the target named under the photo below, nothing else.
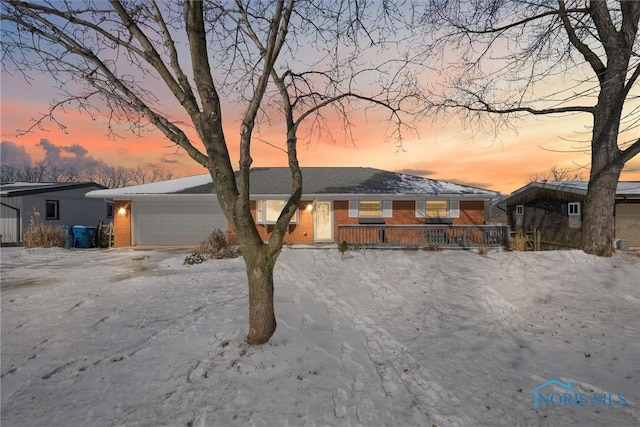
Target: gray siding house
(56, 203)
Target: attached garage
(627, 223)
(177, 212)
(176, 223)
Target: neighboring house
(56, 203)
(184, 211)
(555, 208)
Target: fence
(421, 236)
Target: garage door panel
(165, 224)
(627, 223)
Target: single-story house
(56, 203)
(555, 208)
(184, 211)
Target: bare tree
(107, 175)
(256, 54)
(557, 174)
(507, 54)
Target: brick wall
(471, 213)
(300, 232)
(121, 224)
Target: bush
(216, 246)
(40, 235)
(194, 258)
(343, 247)
(483, 249)
(520, 242)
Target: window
(268, 211)
(370, 209)
(520, 210)
(436, 209)
(53, 209)
(574, 208)
(109, 210)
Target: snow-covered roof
(172, 186)
(623, 189)
(316, 181)
(15, 189)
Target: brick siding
(121, 224)
(471, 213)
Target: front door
(323, 222)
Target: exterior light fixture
(122, 211)
(309, 207)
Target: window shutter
(387, 208)
(259, 211)
(454, 208)
(421, 207)
(353, 208)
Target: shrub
(194, 258)
(519, 242)
(483, 249)
(343, 247)
(216, 246)
(40, 235)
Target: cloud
(69, 157)
(14, 154)
(76, 149)
(169, 161)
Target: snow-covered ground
(380, 338)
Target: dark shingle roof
(352, 180)
(624, 189)
(316, 181)
(16, 189)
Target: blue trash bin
(84, 237)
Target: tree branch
(586, 52)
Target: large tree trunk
(262, 318)
(606, 161)
(597, 225)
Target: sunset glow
(504, 162)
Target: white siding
(174, 223)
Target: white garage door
(175, 224)
(628, 223)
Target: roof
(316, 181)
(624, 189)
(16, 189)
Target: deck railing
(422, 236)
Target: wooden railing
(423, 236)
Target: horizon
(503, 169)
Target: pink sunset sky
(443, 150)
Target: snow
(161, 187)
(419, 185)
(125, 337)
